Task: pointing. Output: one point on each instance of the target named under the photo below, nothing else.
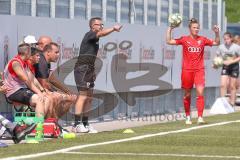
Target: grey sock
(6, 134)
(7, 124)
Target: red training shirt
(193, 51)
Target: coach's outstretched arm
(216, 42)
(169, 39)
(107, 31)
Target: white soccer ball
(175, 19)
(218, 61)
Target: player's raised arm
(216, 41)
(174, 20)
(169, 39)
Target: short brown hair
(93, 20)
(228, 34)
(192, 21)
(48, 47)
(35, 50)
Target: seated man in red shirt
(20, 86)
(12, 130)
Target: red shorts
(193, 77)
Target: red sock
(187, 103)
(200, 105)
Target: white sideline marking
(116, 141)
(157, 154)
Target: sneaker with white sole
(188, 120)
(80, 128)
(63, 131)
(91, 129)
(200, 121)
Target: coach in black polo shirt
(84, 72)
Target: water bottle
(39, 131)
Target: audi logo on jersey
(194, 49)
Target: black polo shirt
(42, 68)
(88, 49)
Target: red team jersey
(193, 51)
(193, 60)
(31, 67)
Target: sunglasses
(99, 25)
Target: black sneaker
(20, 132)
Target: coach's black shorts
(23, 96)
(231, 70)
(84, 77)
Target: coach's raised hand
(117, 28)
(106, 31)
